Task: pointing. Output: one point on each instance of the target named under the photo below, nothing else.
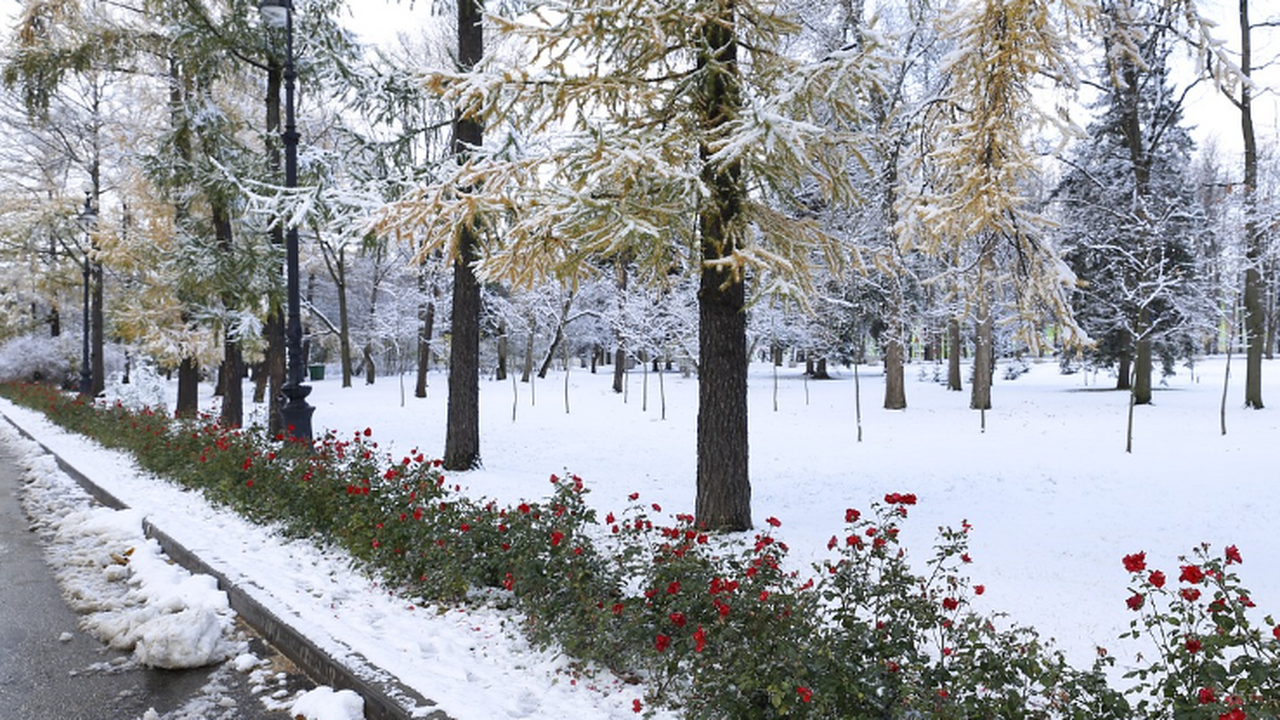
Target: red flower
(662, 642)
(1134, 602)
(633, 497)
(1206, 696)
(775, 522)
(1190, 594)
(1233, 555)
(636, 706)
(368, 432)
(950, 603)
(1276, 632)
(556, 537)
(831, 544)
(673, 588)
(979, 589)
(699, 639)
(1135, 563)
(678, 618)
(1156, 579)
(1236, 714)
(851, 515)
(1191, 574)
(1193, 645)
(805, 694)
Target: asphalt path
(50, 670)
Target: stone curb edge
(379, 696)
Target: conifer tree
(654, 132)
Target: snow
(1054, 499)
(324, 703)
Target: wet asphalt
(51, 670)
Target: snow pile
(133, 598)
(324, 703)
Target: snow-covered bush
(146, 388)
(32, 358)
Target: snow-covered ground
(1055, 501)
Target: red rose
(699, 639)
(678, 619)
(636, 706)
(1206, 696)
(851, 515)
(1156, 579)
(805, 694)
(1135, 563)
(662, 642)
(979, 589)
(556, 537)
(1191, 574)
(950, 604)
(775, 522)
(1233, 555)
(1190, 594)
(1134, 602)
(1193, 645)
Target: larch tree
(971, 197)
(658, 134)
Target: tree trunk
(983, 356)
(526, 370)
(462, 431)
(1142, 362)
(427, 318)
(344, 316)
(1124, 371)
(620, 353)
(954, 381)
(188, 389)
(232, 371)
(503, 350)
(895, 387)
(724, 486)
(1254, 310)
(558, 338)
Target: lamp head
(275, 12)
(89, 215)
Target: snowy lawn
(1055, 501)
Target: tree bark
(1142, 362)
(427, 320)
(232, 414)
(724, 487)
(462, 431)
(953, 356)
(1255, 320)
(188, 389)
(895, 387)
(983, 360)
(620, 353)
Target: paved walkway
(49, 670)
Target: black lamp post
(87, 218)
(295, 414)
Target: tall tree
(641, 127)
(462, 430)
(971, 200)
(1131, 218)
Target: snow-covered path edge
(334, 622)
(385, 697)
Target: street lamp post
(87, 218)
(295, 414)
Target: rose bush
(717, 625)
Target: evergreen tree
(1129, 215)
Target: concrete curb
(384, 699)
